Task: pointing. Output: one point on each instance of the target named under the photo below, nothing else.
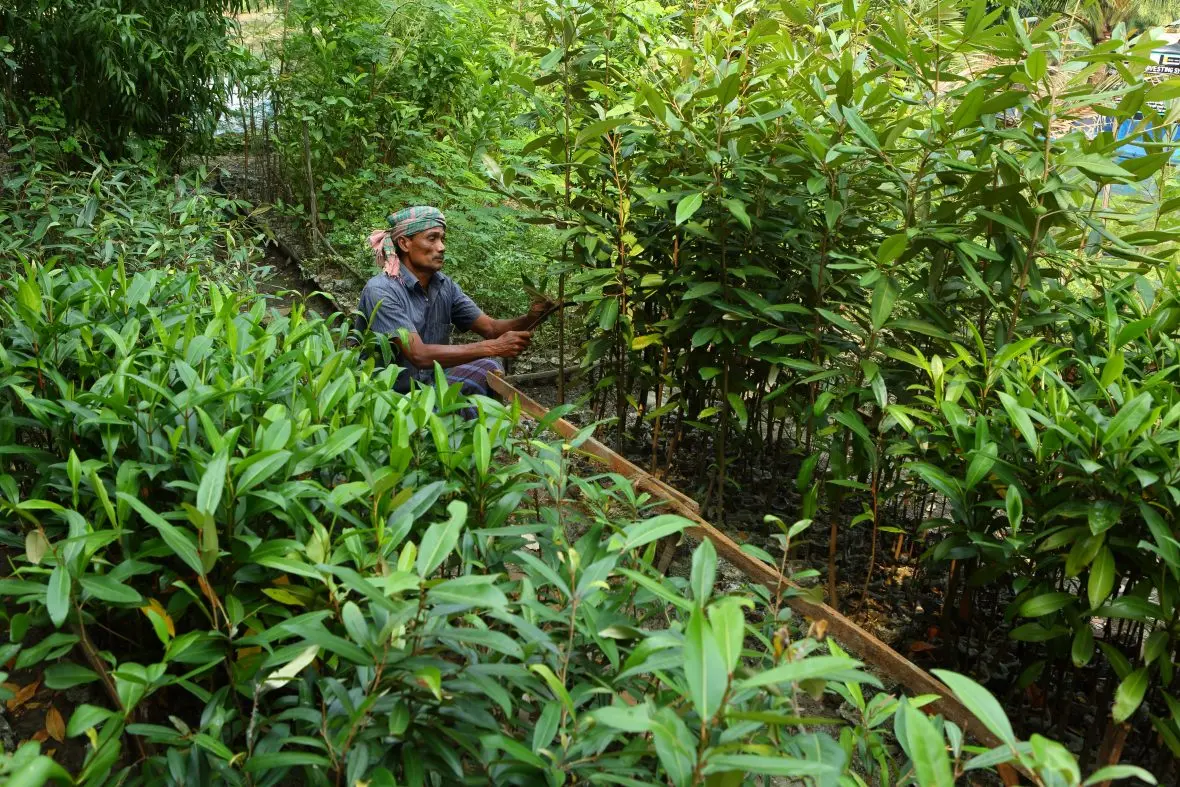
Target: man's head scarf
(403, 224)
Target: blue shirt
(389, 303)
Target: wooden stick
(548, 374)
(868, 647)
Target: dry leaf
(918, 647)
(40, 736)
(23, 695)
(55, 725)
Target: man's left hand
(540, 307)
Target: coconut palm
(1099, 18)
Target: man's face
(425, 251)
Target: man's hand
(512, 343)
(540, 306)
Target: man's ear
(403, 243)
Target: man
(412, 293)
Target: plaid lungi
(472, 377)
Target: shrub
(120, 69)
(311, 573)
(130, 211)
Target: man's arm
(489, 328)
(506, 345)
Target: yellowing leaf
(283, 596)
(36, 545)
(156, 609)
(292, 668)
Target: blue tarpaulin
(1141, 138)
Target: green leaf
(891, 248)
(739, 409)
(830, 667)
(1102, 515)
(704, 671)
(674, 746)
(860, 128)
(937, 478)
(927, 749)
(1097, 167)
(1112, 368)
(546, 726)
(177, 540)
(628, 718)
(640, 533)
(1044, 604)
(729, 629)
(824, 772)
(340, 441)
(704, 571)
(57, 602)
(1101, 578)
(257, 468)
(440, 539)
(518, 752)
(105, 588)
(34, 770)
(469, 591)
(28, 294)
(1129, 694)
(1128, 419)
(1112, 772)
(884, 297)
(66, 675)
(1020, 417)
(610, 314)
(982, 461)
(1013, 350)
(1082, 649)
(1036, 65)
(286, 759)
(555, 685)
(738, 210)
(1014, 506)
(688, 206)
(86, 717)
(212, 483)
(981, 703)
(289, 671)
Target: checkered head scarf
(403, 224)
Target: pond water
(238, 110)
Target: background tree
(1099, 18)
(121, 67)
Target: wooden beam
(868, 647)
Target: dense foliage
(876, 240)
(119, 69)
(130, 211)
(264, 560)
(879, 239)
